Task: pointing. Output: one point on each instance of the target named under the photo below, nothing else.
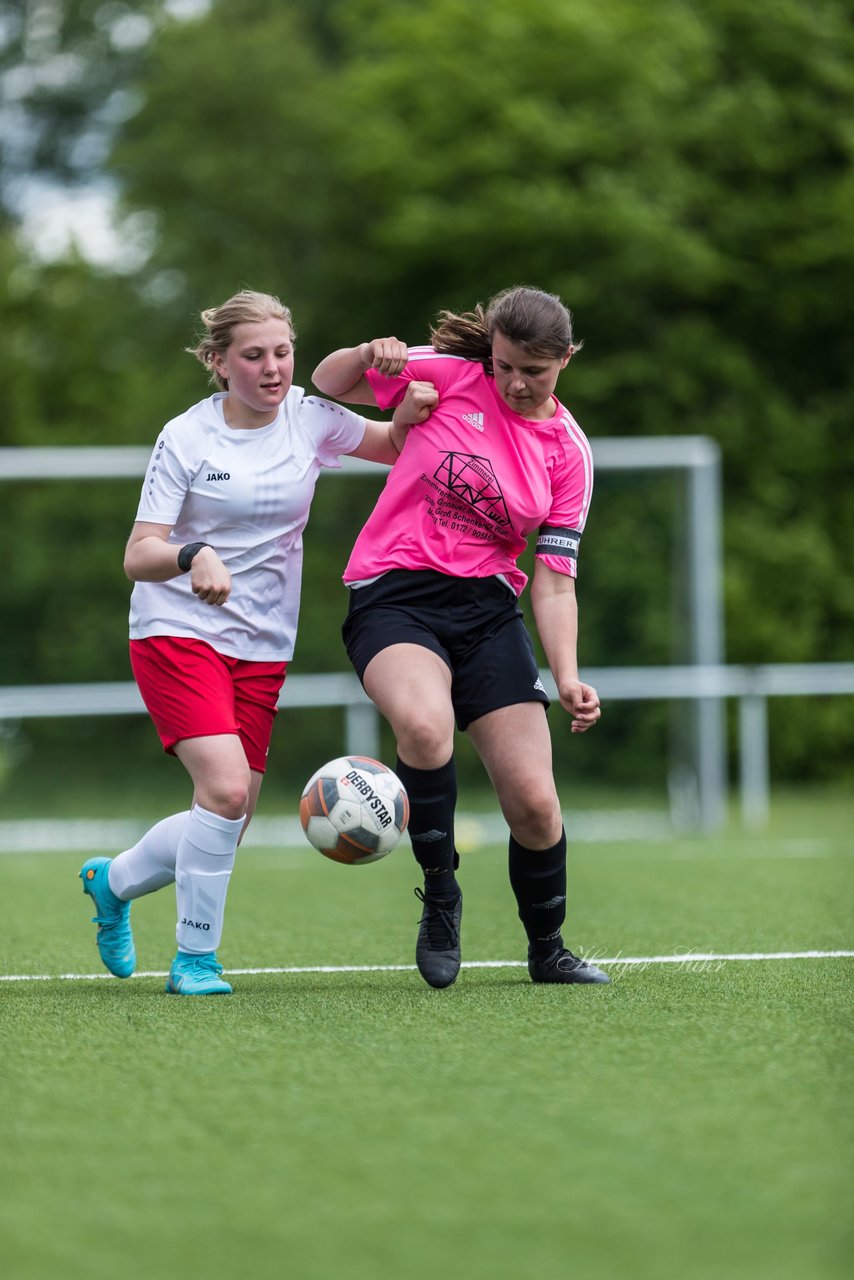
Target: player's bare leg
(515, 746)
(411, 687)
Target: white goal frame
(697, 458)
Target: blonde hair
(245, 307)
(535, 320)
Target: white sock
(150, 864)
(202, 870)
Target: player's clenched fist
(416, 406)
(209, 578)
(387, 355)
(582, 702)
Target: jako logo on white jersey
(218, 475)
(476, 419)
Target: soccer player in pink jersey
(216, 558)
(434, 629)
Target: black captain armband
(552, 541)
(187, 552)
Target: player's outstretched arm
(341, 374)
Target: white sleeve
(166, 482)
(333, 429)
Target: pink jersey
(473, 481)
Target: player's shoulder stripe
(576, 435)
(582, 444)
(430, 353)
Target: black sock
(538, 879)
(432, 801)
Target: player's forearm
(340, 371)
(556, 615)
(150, 558)
(382, 442)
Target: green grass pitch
(692, 1120)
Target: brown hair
(535, 320)
(245, 307)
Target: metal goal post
(697, 458)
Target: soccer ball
(354, 810)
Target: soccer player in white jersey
(434, 629)
(216, 556)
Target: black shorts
(475, 625)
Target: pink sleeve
(559, 537)
(424, 365)
(388, 391)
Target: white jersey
(247, 493)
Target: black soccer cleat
(437, 951)
(563, 966)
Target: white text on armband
(558, 542)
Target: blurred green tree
(681, 175)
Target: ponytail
(465, 335)
(535, 320)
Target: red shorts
(191, 691)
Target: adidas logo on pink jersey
(476, 419)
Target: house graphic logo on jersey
(472, 480)
(476, 420)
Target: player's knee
(534, 816)
(229, 797)
(424, 741)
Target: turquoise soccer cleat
(115, 937)
(196, 975)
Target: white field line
(687, 959)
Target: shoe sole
(437, 986)
(173, 991)
(571, 982)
